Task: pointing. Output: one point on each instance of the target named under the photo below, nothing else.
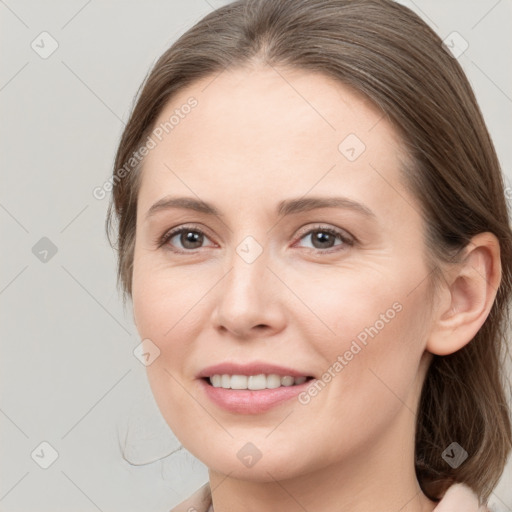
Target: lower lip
(245, 401)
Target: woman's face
(312, 266)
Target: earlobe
(467, 296)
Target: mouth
(254, 382)
(252, 394)
(252, 387)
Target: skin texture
(258, 136)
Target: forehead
(262, 130)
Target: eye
(324, 238)
(189, 237)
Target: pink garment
(458, 498)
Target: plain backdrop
(71, 385)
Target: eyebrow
(284, 208)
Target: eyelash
(345, 239)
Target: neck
(380, 478)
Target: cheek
(165, 299)
(376, 305)
(164, 311)
(169, 309)
(372, 347)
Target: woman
(313, 230)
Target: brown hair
(388, 54)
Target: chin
(249, 463)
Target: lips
(259, 399)
(245, 401)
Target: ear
(467, 295)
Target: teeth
(254, 382)
(238, 381)
(287, 381)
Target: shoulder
(200, 501)
(460, 498)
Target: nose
(249, 299)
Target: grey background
(68, 373)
